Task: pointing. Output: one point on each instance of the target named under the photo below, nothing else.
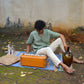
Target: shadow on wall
(9, 23)
(19, 27)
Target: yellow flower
(22, 75)
(80, 58)
(9, 42)
(5, 42)
(5, 48)
(22, 42)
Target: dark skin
(65, 67)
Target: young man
(40, 41)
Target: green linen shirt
(39, 42)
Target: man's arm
(64, 41)
(28, 47)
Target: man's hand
(28, 47)
(65, 47)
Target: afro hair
(39, 25)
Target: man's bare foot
(77, 61)
(66, 68)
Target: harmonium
(33, 60)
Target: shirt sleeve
(30, 39)
(53, 34)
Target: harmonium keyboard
(33, 60)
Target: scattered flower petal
(22, 42)
(5, 48)
(5, 74)
(22, 72)
(80, 58)
(5, 42)
(22, 75)
(55, 70)
(30, 72)
(11, 73)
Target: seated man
(40, 38)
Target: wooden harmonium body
(33, 60)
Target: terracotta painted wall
(63, 13)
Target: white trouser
(49, 51)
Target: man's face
(40, 32)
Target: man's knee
(42, 51)
(59, 40)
